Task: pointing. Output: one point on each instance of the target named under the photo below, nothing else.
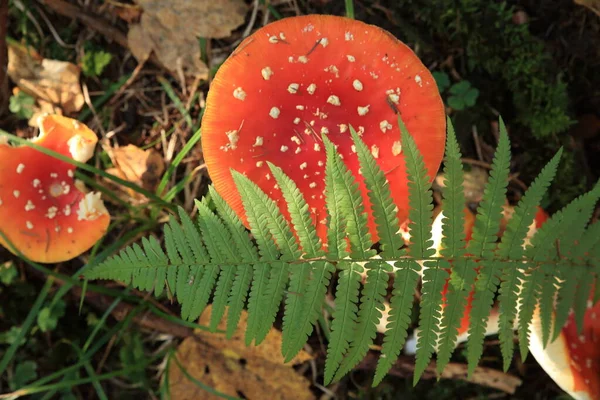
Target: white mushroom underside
(91, 207)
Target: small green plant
(48, 316)
(24, 373)
(94, 61)
(461, 95)
(21, 105)
(214, 257)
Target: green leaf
(453, 241)
(21, 105)
(344, 317)
(442, 80)
(434, 277)
(369, 314)
(420, 199)
(489, 212)
(48, 317)
(94, 62)
(8, 273)
(405, 282)
(24, 373)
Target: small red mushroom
(302, 77)
(45, 213)
(573, 359)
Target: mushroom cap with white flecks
(301, 77)
(573, 359)
(44, 212)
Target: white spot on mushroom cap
(351, 58)
(36, 182)
(303, 165)
(81, 149)
(69, 230)
(343, 128)
(266, 73)
(274, 113)
(334, 100)
(28, 224)
(316, 147)
(273, 39)
(375, 151)
(312, 185)
(259, 164)
(239, 94)
(385, 126)
(67, 210)
(303, 59)
(363, 110)
(418, 80)
(357, 85)
(396, 148)
(311, 88)
(233, 138)
(299, 107)
(91, 207)
(293, 88)
(324, 130)
(51, 213)
(284, 148)
(20, 168)
(348, 36)
(297, 120)
(324, 42)
(258, 142)
(16, 193)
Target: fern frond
(314, 297)
(434, 278)
(405, 282)
(528, 299)
(286, 242)
(546, 300)
(371, 306)
(485, 288)
(351, 207)
(247, 252)
(576, 216)
(221, 252)
(511, 247)
(344, 317)
(201, 290)
(453, 241)
(420, 199)
(383, 207)
(258, 303)
(462, 280)
(489, 212)
(337, 247)
(312, 248)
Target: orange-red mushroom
(573, 359)
(302, 77)
(45, 213)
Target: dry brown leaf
(228, 366)
(171, 29)
(53, 81)
(593, 5)
(142, 167)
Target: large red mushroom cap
(573, 359)
(301, 77)
(44, 212)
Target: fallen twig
(489, 377)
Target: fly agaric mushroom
(572, 360)
(492, 326)
(302, 77)
(45, 213)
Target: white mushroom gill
(81, 149)
(91, 207)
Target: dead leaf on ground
(593, 5)
(474, 184)
(171, 29)
(142, 167)
(230, 367)
(56, 82)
